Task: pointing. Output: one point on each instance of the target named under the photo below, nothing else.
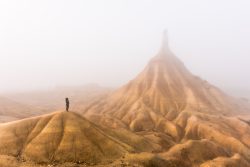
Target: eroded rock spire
(165, 46)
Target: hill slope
(58, 137)
(166, 98)
(164, 90)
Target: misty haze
(124, 83)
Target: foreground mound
(62, 137)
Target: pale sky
(48, 43)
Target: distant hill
(11, 110)
(54, 99)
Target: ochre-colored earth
(165, 117)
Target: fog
(49, 43)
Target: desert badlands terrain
(165, 117)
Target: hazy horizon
(44, 44)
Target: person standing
(67, 104)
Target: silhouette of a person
(67, 104)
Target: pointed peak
(165, 46)
(164, 51)
(165, 38)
